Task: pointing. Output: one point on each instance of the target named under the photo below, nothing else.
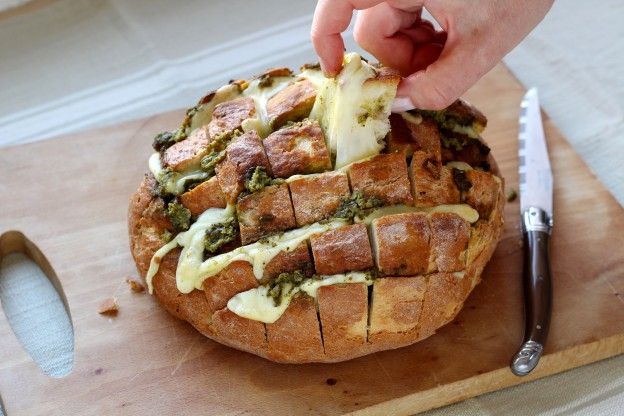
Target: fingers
(378, 31)
(331, 18)
(443, 81)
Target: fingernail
(402, 104)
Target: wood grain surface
(69, 196)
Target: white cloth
(68, 66)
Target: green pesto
(356, 205)
(211, 160)
(217, 235)
(459, 177)
(166, 236)
(179, 216)
(371, 110)
(511, 195)
(283, 285)
(257, 179)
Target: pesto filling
(356, 205)
(257, 179)
(460, 179)
(179, 215)
(220, 234)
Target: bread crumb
(511, 195)
(135, 285)
(109, 307)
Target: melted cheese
(261, 96)
(176, 182)
(463, 210)
(315, 76)
(193, 243)
(204, 112)
(155, 166)
(459, 165)
(256, 304)
(467, 130)
(412, 118)
(354, 114)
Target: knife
(536, 209)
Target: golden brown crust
(343, 310)
(264, 212)
(297, 149)
(237, 277)
(206, 195)
(296, 336)
(341, 250)
(242, 155)
(292, 103)
(401, 243)
(229, 115)
(383, 176)
(432, 184)
(187, 154)
(449, 239)
(317, 197)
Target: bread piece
(292, 103)
(432, 184)
(187, 154)
(296, 336)
(206, 195)
(450, 234)
(401, 243)
(316, 197)
(237, 277)
(242, 155)
(238, 332)
(341, 250)
(444, 297)
(297, 149)
(383, 176)
(467, 114)
(229, 115)
(264, 212)
(289, 261)
(483, 193)
(396, 307)
(343, 310)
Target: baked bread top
(294, 217)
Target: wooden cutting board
(69, 196)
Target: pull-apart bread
(293, 217)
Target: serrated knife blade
(536, 181)
(536, 210)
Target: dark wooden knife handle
(537, 286)
(537, 290)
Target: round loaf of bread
(294, 217)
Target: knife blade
(536, 210)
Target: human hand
(438, 66)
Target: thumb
(459, 66)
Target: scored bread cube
(239, 332)
(230, 115)
(206, 195)
(264, 212)
(241, 156)
(412, 133)
(383, 176)
(289, 261)
(483, 193)
(396, 307)
(316, 197)
(292, 103)
(467, 114)
(236, 277)
(343, 310)
(342, 249)
(296, 335)
(444, 297)
(450, 234)
(297, 149)
(187, 154)
(401, 243)
(432, 184)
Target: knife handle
(537, 289)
